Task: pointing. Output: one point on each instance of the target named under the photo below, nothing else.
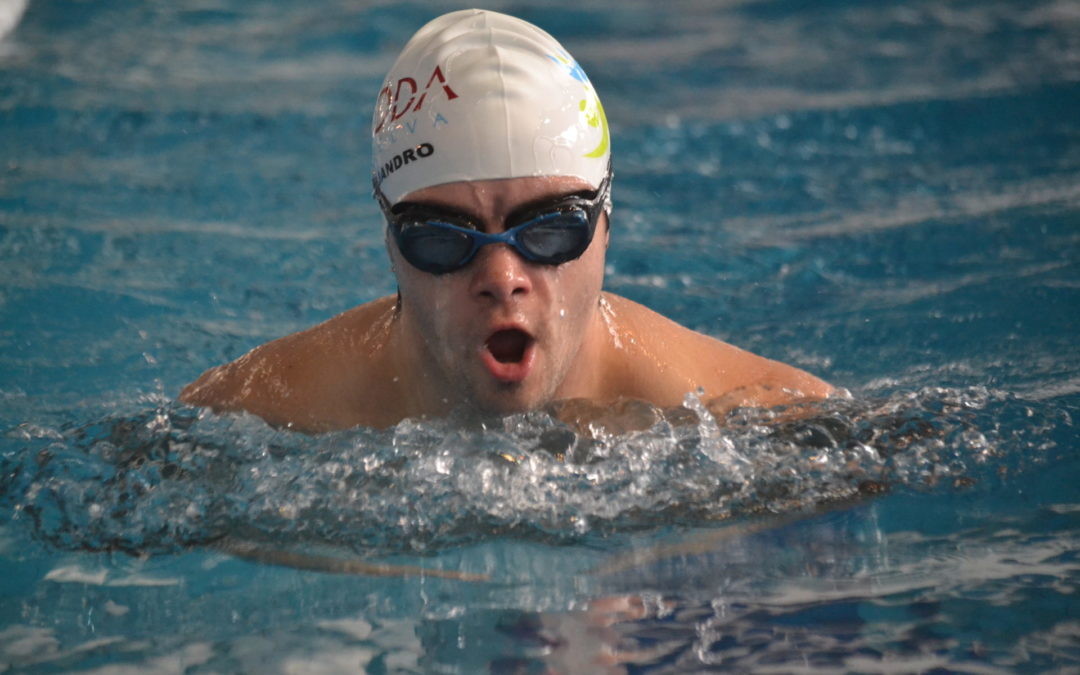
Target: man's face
(501, 334)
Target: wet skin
(501, 335)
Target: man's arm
(331, 376)
(273, 381)
(661, 361)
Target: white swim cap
(477, 95)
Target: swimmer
(492, 166)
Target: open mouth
(508, 346)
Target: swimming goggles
(439, 241)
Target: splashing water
(170, 478)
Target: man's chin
(507, 399)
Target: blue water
(886, 194)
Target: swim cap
(477, 95)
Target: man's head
(491, 162)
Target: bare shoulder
(307, 380)
(674, 358)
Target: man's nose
(499, 273)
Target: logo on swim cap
(594, 113)
(498, 97)
(386, 106)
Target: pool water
(886, 194)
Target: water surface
(884, 194)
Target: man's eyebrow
(531, 205)
(434, 205)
